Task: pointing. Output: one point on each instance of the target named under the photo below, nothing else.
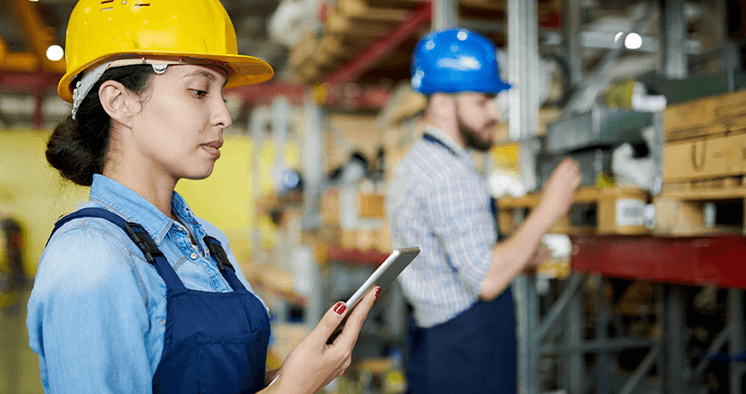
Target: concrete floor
(19, 365)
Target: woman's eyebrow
(202, 73)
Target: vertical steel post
(735, 370)
(660, 313)
(527, 311)
(602, 359)
(523, 66)
(673, 31)
(313, 163)
(675, 337)
(574, 365)
(571, 24)
(523, 63)
(445, 14)
(257, 127)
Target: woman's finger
(355, 321)
(330, 321)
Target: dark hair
(78, 147)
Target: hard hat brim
(487, 87)
(244, 70)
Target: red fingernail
(378, 291)
(340, 308)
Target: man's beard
(472, 139)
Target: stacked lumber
(616, 210)
(352, 26)
(704, 161)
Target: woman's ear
(118, 101)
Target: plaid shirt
(436, 200)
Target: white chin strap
(84, 85)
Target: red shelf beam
(698, 261)
(355, 256)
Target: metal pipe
(586, 94)
(445, 14)
(600, 345)
(569, 292)
(673, 30)
(735, 316)
(641, 371)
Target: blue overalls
(214, 342)
(475, 352)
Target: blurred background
(643, 293)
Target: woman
(134, 293)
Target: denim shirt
(97, 312)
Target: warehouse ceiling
(26, 28)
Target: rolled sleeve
(463, 223)
(88, 318)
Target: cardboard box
(329, 206)
(371, 206)
(706, 116)
(704, 158)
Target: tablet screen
(386, 273)
(383, 276)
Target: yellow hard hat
(194, 30)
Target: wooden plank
(619, 210)
(680, 209)
(360, 10)
(704, 158)
(706, 116)
(339, 23)
(336, 46)
(408, 4)
(303, 50)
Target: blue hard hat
(456, 60)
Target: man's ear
(119, 102)
(443, 102)
(442, 106)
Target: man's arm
(513, 255)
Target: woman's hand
(313, 363)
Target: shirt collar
(133, 207)
(449, 143)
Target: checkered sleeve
(462, 221)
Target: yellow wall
(32, 191)
(224, 198)
(36, 195)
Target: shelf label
(630, 212)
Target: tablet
(383, 277)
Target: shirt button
(193, 256)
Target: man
(462, 339)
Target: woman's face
(178, 131)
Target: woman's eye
(199, 93)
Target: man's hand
(559, 191)
(541, 254)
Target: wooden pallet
(687, 209)
(618, 210)
(353, 25)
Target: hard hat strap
(84, 85)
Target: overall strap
(432, 139)
(139, 236)
(225, 266)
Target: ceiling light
(633, 41)
(55, 53)
(618, 36)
